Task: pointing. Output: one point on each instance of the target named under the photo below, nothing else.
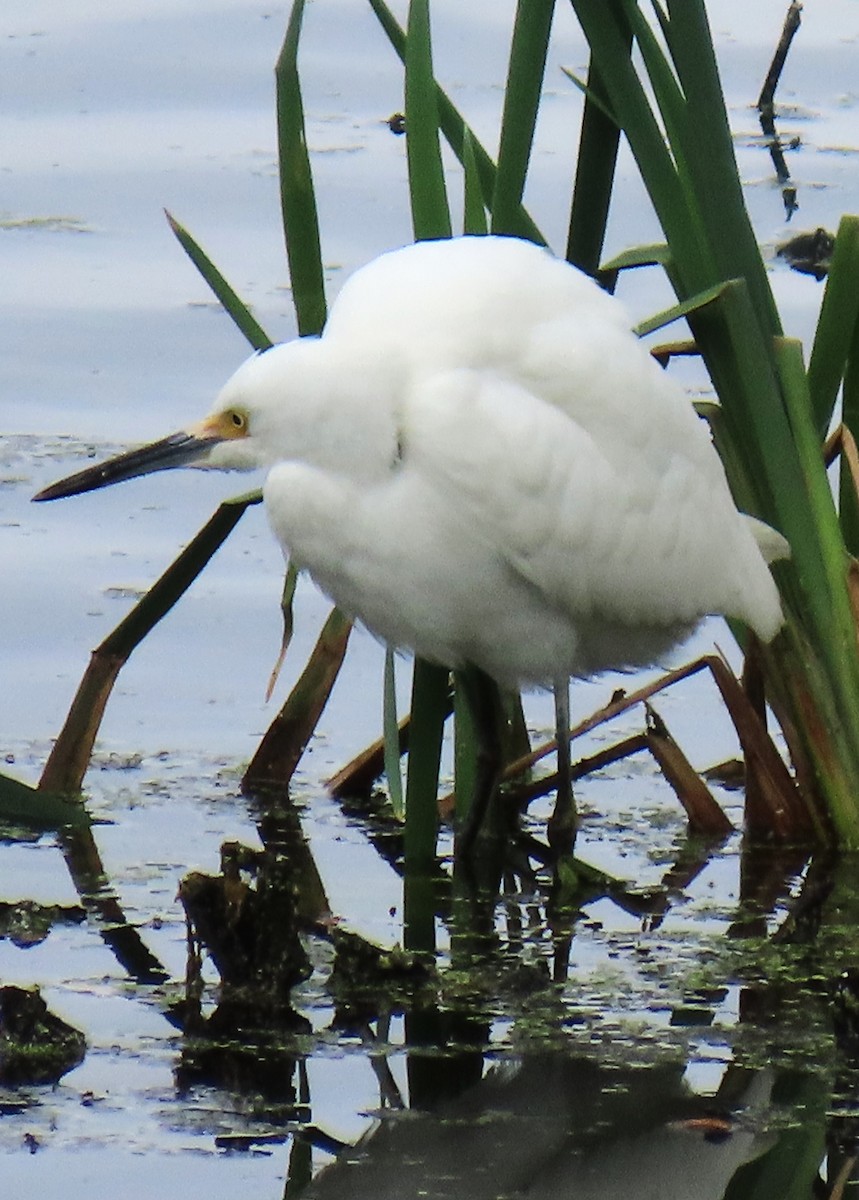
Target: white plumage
(482, 463)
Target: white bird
(481, 462)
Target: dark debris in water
(367, 982)
(246, 919)
(26, 923)
(809, 253)
(36, 1047)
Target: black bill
(178, 450)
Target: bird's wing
(604, 525)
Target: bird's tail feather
(770, 542)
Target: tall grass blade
(822, 547)
(597, 158)
(233, 305)
(655, 254)
(464, 750)
(430, 219)
(429, 707)
(451, 122)
(839, 316)
(420, 905)
(677, 311)
(474, 215)
(391, 734)
(21, 804)
(297, 196)
(529, 47)
(771, 421)
(849, 507)
(712, 163)
(609, 33)
(430, 211)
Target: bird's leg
(561, 828)
(481, 694)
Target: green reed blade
(228, 297)
(451, 122)
(430, 210)
(429, 708)
(475, 205)
(839, 316)
(297, 196)
(595, 166)
(391, 738)
(528, 50)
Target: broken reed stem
(779, 813)
(766, 107)
(357, 777)
(705, 815)
(775, 810)
(617, 705)
(70, 756)
(279, 752)
(791, 24)
(841, 441)
(524, 793)
(706, 818)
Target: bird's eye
(238, 420)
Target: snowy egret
(480, 461)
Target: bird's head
(243, 431)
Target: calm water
(108, 337)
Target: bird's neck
(346, 412)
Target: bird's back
(472, 301)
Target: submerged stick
(766, 107)
(791, 24)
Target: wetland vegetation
(674, 1004)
